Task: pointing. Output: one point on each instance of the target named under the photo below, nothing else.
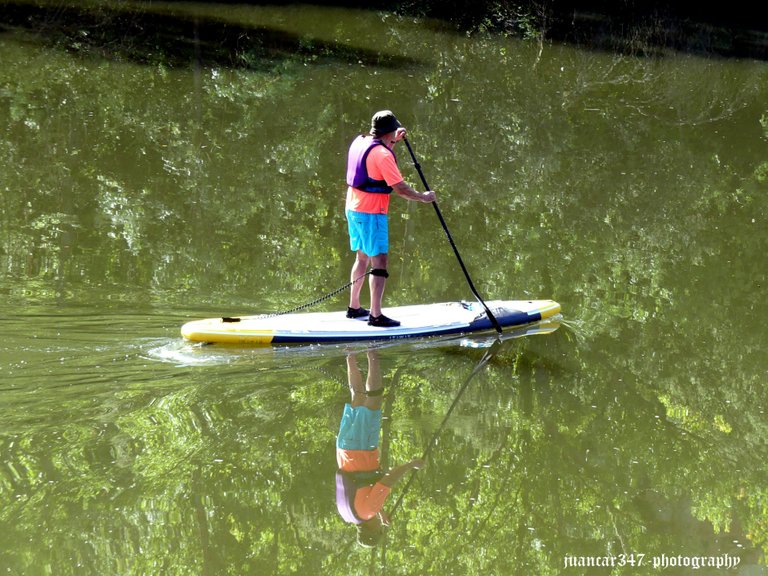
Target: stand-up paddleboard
(416, 321)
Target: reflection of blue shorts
(368, 232)
(359, 429)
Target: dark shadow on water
(140, 34)
(655, 29)
(737, 29)
(175, 40)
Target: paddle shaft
(491, 317)
(490, 353)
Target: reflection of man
(361, 486)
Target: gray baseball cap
(384, 122)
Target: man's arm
(402, 189)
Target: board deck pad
(421, 320)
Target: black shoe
(382, 321)
(357, 312)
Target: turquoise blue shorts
(368, 233)
(359, 428)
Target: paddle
(491, 317)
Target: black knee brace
(380, 272)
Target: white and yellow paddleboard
(417, 321)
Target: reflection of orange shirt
(381, 165)
(369, 500)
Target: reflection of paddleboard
(416, 321)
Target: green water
(184, 161)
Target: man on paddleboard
(372, 175)
(362, 487)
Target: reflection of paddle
(491, 317)
(480, 365)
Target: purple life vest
(346, 488)
(357, 174)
